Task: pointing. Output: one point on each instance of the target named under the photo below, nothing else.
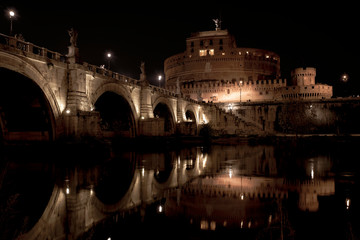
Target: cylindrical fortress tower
(212, 59)
(303, 76)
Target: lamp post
(109, 58)
(159, 78)
(344, 82)
(11, 15)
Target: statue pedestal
(73, 54)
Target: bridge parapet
(30, 49)
(102, 72)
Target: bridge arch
(26, 68)
(38, 98)
(191, 113)
(163, 106)
(123, 93)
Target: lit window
(223, 53)
(202, 53)
(211, 52)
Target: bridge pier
(82, 123)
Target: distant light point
(345, 77)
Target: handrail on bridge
(22, 45)
(34, 50)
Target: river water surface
(283, 190)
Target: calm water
(297, 190)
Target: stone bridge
(56, 95)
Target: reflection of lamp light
(160, 209)
(240, 85)
(347, 203)
(67, 186)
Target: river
(293, 189)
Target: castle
(214, 69)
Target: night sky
(324, 37)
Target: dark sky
(325, 37)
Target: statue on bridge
(73, 50)
(143, 79)
(73, 37)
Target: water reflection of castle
(214, 69)
(241, 187)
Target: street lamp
(159, 78)
(344, 77)
(11, 15)
(109, 58)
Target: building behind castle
(214, 69)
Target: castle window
(211, 52)
(192, 44)
(201, 43)
(228, 91)
(202, 53)
(211, 42)
(220, 41)
(220, 48)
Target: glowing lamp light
(344, 77)
(347, 203)
(11, 15)
(67, 111)
(159, 78)
(109, 59)
(67, 190)
(160, 209)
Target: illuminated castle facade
(214, 69)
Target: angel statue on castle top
(217, 24)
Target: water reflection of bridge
(202, 186)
